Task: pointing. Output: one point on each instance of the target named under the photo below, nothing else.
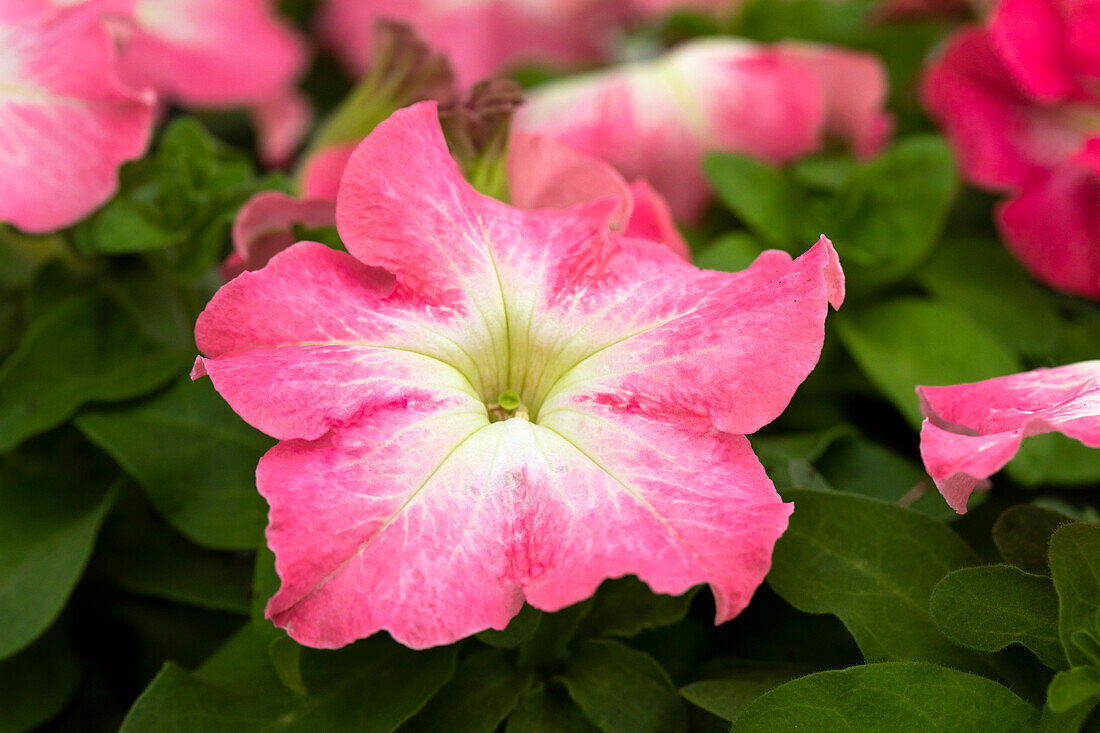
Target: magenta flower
(1020, 101)
(66, 123)
(656, 119)
(971, 431)
(481, 406)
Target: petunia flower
(216, 54)
(481, 38)
(971, 431)
(1020, 101)
(479, 406)
(656, 119)
(66, 122)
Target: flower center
(508, 405)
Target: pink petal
(652, 219)
(282, 123)
(322, 171)
(333, 340)
(855, 87)
(404, 206)
(1002, 137)
(656, 119)
(496, 514)
(265, 226)
(1053, 225)
(212, 52)
(677, 319)
(66, 124)
(1084, 28)
(546, 174)
(972, 430)
(1032, 38)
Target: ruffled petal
(378, 528)
(972, 430)
(265, 226)
(647, 340)
(332, 341)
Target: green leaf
(519, 631)
(195, 459)
(543, 710)
(889, 212)
(979, 277)
(1053, 458)
(81, 350)
(732, 252)
(873, 565)
(152, 303)
(1072, 695)
(554, 636)
(485, 688)
(989, 608)
(893, 698)
(859, 466)
(739, 686)
(265, 581)
(286, 657)
(1073, 687)
(905, 342)
(371, 686)
(47, 530)
(622, 690)
(1075, 567)
(626, 606)
(36, 683)
(760, 194)
(1022, 535)
(789, 459)
(177, 204)
(144, 556)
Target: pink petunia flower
(971, 431)
(657, 119)
(216, 54)
(481, 406)
(66, 122)
(1020, 101)
(484, 37)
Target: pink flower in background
(657, 119)
(66, 122)
(971, 431)
(1020, 101)
(481, 38)
(481, 406)
(216, 54)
